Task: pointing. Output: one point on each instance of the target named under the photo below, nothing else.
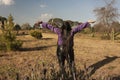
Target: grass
(95, 59)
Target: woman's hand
(91, 21)
(38, 23)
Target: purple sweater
(58, 31)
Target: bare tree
(108, 14)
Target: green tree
(57, 22)
(17, 28)
(8, 39)
(9, 24)
(2, 20)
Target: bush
(2, 46)
(8, 42)
(36, 34)
(15, 45)
(105, 36)
(26, 26)
(87, 31)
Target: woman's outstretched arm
(82, 26)
(50, 27)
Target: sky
(30, 11)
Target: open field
(93, 56)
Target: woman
(66, 42)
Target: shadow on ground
(37, 39)
(36, 48)
(90, 70)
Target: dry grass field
(94, 58)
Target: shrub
(105, 36)
(36, 34)
(15, 45)
(8, 42)
(26, 26)
(2, 46)
(87, 31)
(8, 38)
(17, 28)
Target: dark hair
(66, 31)
(66, 26)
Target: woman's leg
(61, 60)
(72, 64)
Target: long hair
(66, 34)
(66, 29)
